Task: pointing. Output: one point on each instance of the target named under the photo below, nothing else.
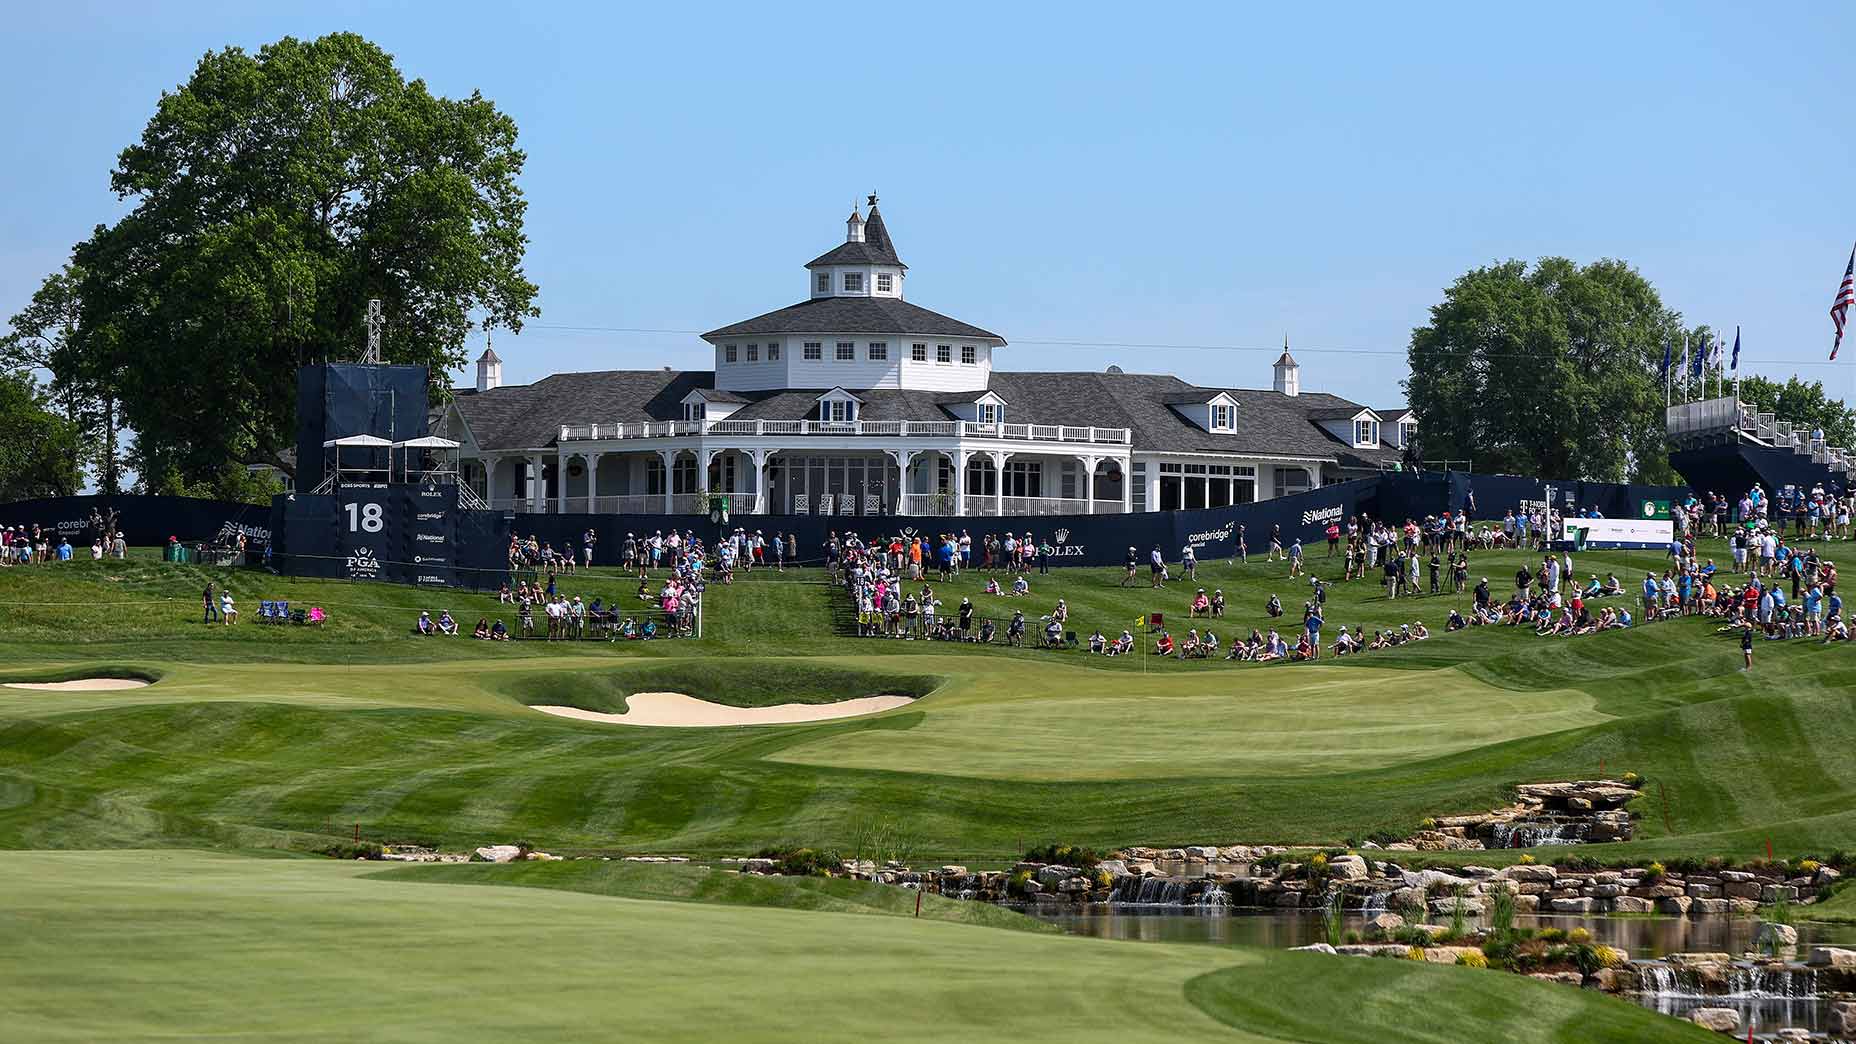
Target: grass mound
(733, 683)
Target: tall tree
(1803, 403)
(274, 194)
(47, 336)
(38, 448)
(1549, 370)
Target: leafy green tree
(38, 448)
(273, 195)
(1802, 403)
(46, 336)
(1550, 370)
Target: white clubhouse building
(857, 402)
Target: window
(1291, 480)
(823, 282)
(753, 353)
(918, 353)
(728, 353)
(814, 351)
(969, 354)
(879, 351)
(1024, 478)
(1222, 418)
(1365, 433)
(990, 413)
(837, 410)
(773, 351)
(885, 283)
(654, 476)
(1137, 493)
(853, 282)
(693, 411)
(943, 353)
(1407, 433)
(982, 480)
(847, 351)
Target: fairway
(196, 945)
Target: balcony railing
(1059, 433)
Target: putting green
(1067, 724)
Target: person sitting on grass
(992, 587)
(424, 626)
(1098, 642)
(1274, 648)
(446, 625)
(482, 633)
(1218, 603)
(1061, 614)
(502, 595)
(987, 631)
(1053, 633)
(1273, 607)
(1208, 645)
(1835, 630)
(1201, 605)
(1304, 650)
(1021, 586)
(1381, 640)
(1343, 642)
(499, 633)
(1163, 645)
(1455, 622)
(1189, 649)
(1015, 630)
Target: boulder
(1112, 867)
(1742, 889)
(1314, 948)
(1397, 951)
(1772, 936)
(1566, 978)
(1406, 899)
(1448, 954)
(1427, 879)
(1532, 874)
(1832, 957)
(1711, 907)
(1385, 924)
(1696, 958)
(1737, 876)
(1604, 891)
(1348, 868)
(1720, 1020)
(1842, 1019)
(1527, 904)
(1142, 867)
(1579, 905)
(1435, 931)
(499, 853)
(1055, 875)
(1703, 890)
(1743, 906)
(1446, 907)
(1204, 853)
(1619, 980)
(1631, 904)
(1771, 893)
(1288, 898)
(1674, 904)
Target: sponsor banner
(1620, 532)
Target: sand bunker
(81, 685)
(677, 710)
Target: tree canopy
(39, 449)
(1549, 370)
(273, 195)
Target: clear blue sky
(1099, 174)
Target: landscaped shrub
(1654, 872)
(1063, 855)
(1015, 885)
(348, 850)
(1415, 953)
(1611, 956)
(803, 862)
(1472, 959)
(1578, 937)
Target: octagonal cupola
(864, 265)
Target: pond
(1767, 1004)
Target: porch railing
(1061, 433)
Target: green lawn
(290, 737)
(163, 945)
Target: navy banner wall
(404, 533)
(146, 521)
(335, 400)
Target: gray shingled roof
(876, 249)
(853, 315)
(1268, 423)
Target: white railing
(1063, 433)
(1045, 506)
(929, 504)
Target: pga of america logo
(362, 565)
(1320, 515)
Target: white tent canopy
(426, 442)
(358, 440)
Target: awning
(358, 440)
(427, 442)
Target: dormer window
(969, 354)
(1365, 432)
(885, 283)
(879, 351)
(991, 413)
(944, 354)
(847, 351)
(1224, 418)
(694, 411)
(1407, 431)
(814, 351)
(728, 353)
(837, 411)
(773, 351)
(753, 353)
(918, 353)
(853, 282)
(823, 282)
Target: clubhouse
(855, 401)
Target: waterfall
(1739, 981)
(1536, 833)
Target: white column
(903, 459)
(703, 459)
(760, 457)
(560, 481)
(1153, 485)
(998, 489)
(489, 477)
(670, 479)
(1127, 485)
(960, 481)
(592, 482)
(1089, 483)
(537, 487)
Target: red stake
(1768, 850)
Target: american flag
(1846, 296)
